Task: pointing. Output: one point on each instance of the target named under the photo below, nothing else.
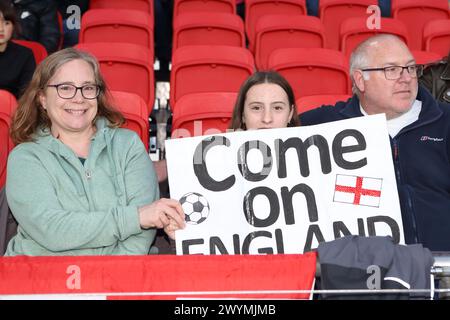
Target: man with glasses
(384, 77)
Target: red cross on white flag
(358, 190)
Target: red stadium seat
(5, 146)
(334, 12)
(8, 102)
(135, 111)
(254, 9)
(425, 57)
(143, 5)
(125, 67)
(311, 102)
(8, 105)
(354, 31)
(436, 36)
(312, 71)
(208, 68)
(416, 13)
(39, 51)
(286, 31)
(117, 25)
(203, 113)
(192, 6)
(208, 29)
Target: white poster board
(284, 190)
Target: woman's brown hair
(30, 115)
(259, 78)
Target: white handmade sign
(284, 190)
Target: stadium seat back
(334, 12)
(311, 102)
(286, 31)
(8, 102)
(436, 36)
(208, 29)
(192, 6)
(39, 51)
(416, 13)
(312, 71)
(203, 113)
(142, 5)
(208, 69)
(354, 31)
(125, 67)
(135, 111)
(8, 105)
(424, 57)
(6, 145)
(254, 9)
(117, 25)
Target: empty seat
(425, 57)
(125, 67)
(416, 13)
(436, 36)
(334, 12)
(208, 68)
(254, 9)
(39, 51)
(117, 25)
(286, 31)
(135, 111)
(311, 102)
(312, 71)
(142, 5)
(354, 31)
(208, 29)
(203, 113)
(8, 104)
(192, 6)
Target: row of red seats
(282, 31)
(265, 24)
(413, 13)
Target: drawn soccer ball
(195, 206)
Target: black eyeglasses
(68, 91)
(395, 72)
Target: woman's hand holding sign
(164, 213)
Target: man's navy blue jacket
(421, 154)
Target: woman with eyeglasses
(76, 183)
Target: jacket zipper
(407, 193)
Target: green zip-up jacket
(66, 208)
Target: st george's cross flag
(362, 191)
